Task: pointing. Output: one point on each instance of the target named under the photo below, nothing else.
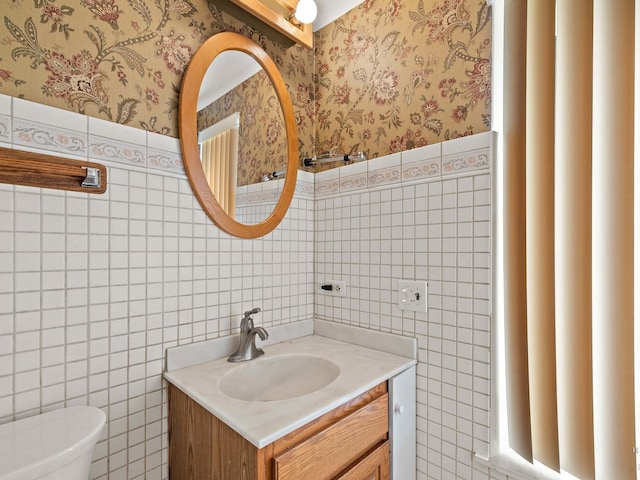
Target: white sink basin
(278, 378)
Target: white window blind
(568, 242)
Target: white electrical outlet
(412, 295)
(334, 287)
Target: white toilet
(53, 446)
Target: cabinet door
(374, 466)
(402, 431)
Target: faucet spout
(247, 349)
(261, 332)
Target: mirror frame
(188, 129)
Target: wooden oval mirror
(203, 176)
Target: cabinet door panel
(374, 466)
(324, 455)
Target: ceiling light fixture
(306, 11)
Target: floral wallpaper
(263, 143)
(392, 75)
(120, 60)
(389, 75)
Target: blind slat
(540, 230)
(574, 91)
(515, 314)
(233, 170)
(613, 150)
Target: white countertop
(262, 423)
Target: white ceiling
(237, 67)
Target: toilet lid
(34, 446)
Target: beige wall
(390, 75)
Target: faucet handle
(251, 312)
(246, 325)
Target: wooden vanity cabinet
(350, 442)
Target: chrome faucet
(247, 349)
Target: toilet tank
(56, 445)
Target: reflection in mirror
(219, 156)
(235, 87)
(257, 105)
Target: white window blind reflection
(219, 156)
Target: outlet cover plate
(412, 295)
(339, 288)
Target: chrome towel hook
(92, 179)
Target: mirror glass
(240, 117)
(238, 135)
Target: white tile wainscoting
(423, 214)
(94, 288)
